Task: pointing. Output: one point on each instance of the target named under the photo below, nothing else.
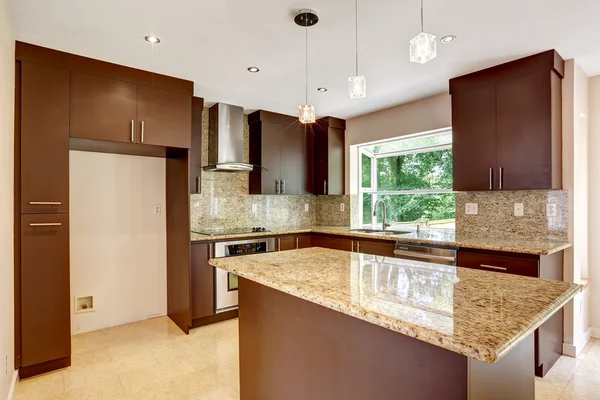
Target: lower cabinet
(293, 242)
(203, 281)
(45, 290)
(549, 336)
(383, 248)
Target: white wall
(7, 99)
(118, 245)
(594, 198)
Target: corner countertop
(441, 237)
(479, 314)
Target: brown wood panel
(504, 264)
(44, 138)
(103, 109)
(318, 241)
(274, 118)
(340, 244)
(321, 140)
(291, 152)
(385, 249)
(196, 151)
(304, 241)
(178, 239)
(203, 281)
(164, 117)
(43, 55)
(334, 356)
(286, 243)
(105, 146)
(306, 162)
(474, 139)
(38, 369)
(45, 290)
(329, 144)
(335, 182)
(213, 319)
(524, 132)
(270, 157)
(17, 218)
(545, 61)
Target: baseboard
(572, 350)
(595, 332)
(13, 385)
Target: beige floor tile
(157, 393)
(196, 384)
(588, 346)
(47, 386)
(131, 361)
(89, 358)
(222, 393)
(87, 342)
(101, 389)
(166, 350)
(87, 376)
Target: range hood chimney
(226, 139)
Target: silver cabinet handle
(353, 246)
(501, 178)
(358, 247)
(45, 224)
(132, 130)
(45, 203)
(142, 137)
(492, 267)
(423, 256)
(283, 186)
(297, 243)
(491, 178)
(324, 187)
(277, 187)
(210, 250)
(278, 244)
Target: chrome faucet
(384, 224)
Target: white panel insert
(84, 304)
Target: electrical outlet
(306, 207)
(519, 209)
(471, 209)
(551, 210)
(342, 206)
(254, 208)
(157, 209)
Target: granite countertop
(479, 314)
(443, 237)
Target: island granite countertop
(442, 237)
(478, 314)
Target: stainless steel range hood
(226, 139)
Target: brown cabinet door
(524, 266)
(524, 131)
(164, 117)
(385, 249)
(44, 139)
(286, 243)
(340, 244)
(291, 152)
(45, 292)
(318, 241)
(304, 241)
(270, 158)
(474, 139)
(203, 282)
(306, 161)
(103, 109)
(336, 150)
(196, 151)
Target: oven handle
(423, 256)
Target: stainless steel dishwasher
(425, 253)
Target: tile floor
(154, 360)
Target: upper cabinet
(506, 123)
(284, 148)
(329, 155)
(196, 150)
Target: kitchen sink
(380, 232)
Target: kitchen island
(326, 324)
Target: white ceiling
(212, 42)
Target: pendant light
(307, 18)
(422, 46)
(357, 85)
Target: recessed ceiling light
(448, 39)
(253, 69)
(322, 89)
(152, 39)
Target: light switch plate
(342, 206)
(306, 207)
(471, 209)
(519, 209)
(157, 209)
(551, 210)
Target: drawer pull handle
(492, 267)
(45, 224)
(45, 203)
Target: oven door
(227, 290)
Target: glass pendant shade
(357, 87)
(307, 114)
(422, 48)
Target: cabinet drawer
(499, 263)
(286, 243)
(375, 248)
(45, 291)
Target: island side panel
(295, 350)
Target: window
(413, 175)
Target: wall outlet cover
(519, 209)
(342, 207)
(157, 209)
(306, 207)
(551, 210)
(471, 209)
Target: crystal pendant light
(357, 85)
(307, 18)
(422, 46)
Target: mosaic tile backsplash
(224, 201)
(496, 214)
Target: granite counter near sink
(427, 236)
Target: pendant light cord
(422, 29)
(356, 31)
(306, 48)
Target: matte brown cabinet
(329, 139)
(203, 281)
(44, 139)
(506, 123)
(196, 150)
(385, 249)
(293, 242)
(45, 291)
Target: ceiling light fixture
(322, 89)
(253, 69)
(448, 39)
(306, 18)
(422, 46)
(357, 85)
(152, 39)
